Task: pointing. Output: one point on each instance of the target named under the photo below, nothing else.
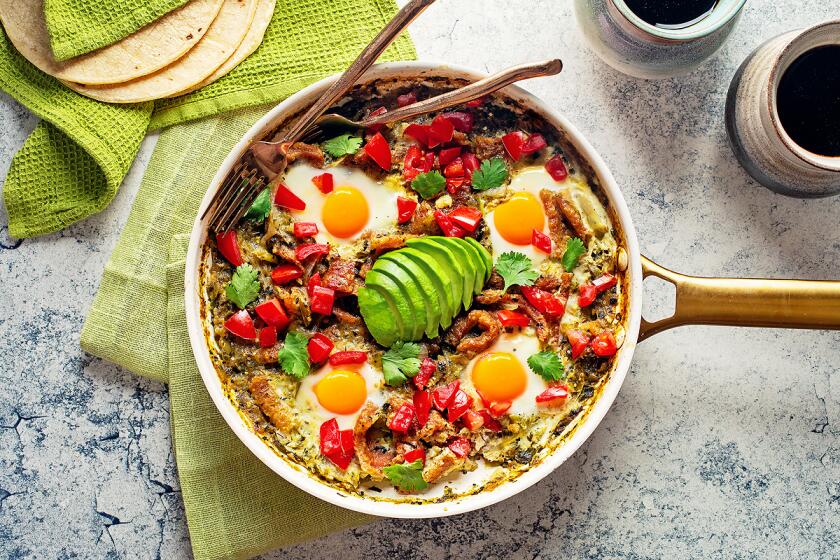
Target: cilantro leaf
(293, 357)
(516, 268)
(259, 210)
(407, 477)
(244, 286)
(574, 249)
(492, 173)
(401, 362)
(342, 145)
(547, 365)
(428, 184)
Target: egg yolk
(341, 392)
(345, 212)
(517, 218)
(499, 377)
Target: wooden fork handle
(365, 60)
(469, 92)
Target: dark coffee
(808, 101)
(673, 14)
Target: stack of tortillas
(182, 51)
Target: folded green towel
(306, 40)
(80, 26)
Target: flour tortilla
(218, 44)
(151, 48)
(262, 17)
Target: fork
(332, 124)
(261, 165)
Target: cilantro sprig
(293, 357)
(428, 184)
(342, 145)
(547, 365)
(574, 250)
(244, 286)
(491, 174)
(259, 210)
(401, 362)
(516, 269)
(407, 477)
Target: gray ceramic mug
(635, 47)
(757, 137)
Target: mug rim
(789, 54)
(696, 31)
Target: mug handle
(746, 302)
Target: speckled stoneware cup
(635, 47)
(757, 137)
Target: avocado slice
(411, 292)
(441, 281)
(380, 313)
(480, 267)
(448, 266)
(404, 312)
(468, 265)
(485, 256)
(428, 290)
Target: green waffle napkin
(80, 26)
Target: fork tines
(233, 199)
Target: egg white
(522, 344)
(307, 400)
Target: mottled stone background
(724, 443)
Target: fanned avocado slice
(468, 265)
(393, 294)
(412, 294)
(427, 289)
(480, 268)
(381, 316)
(442, 282)
(485, 256)
(448, 266)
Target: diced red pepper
(337, 445)
(402, 419)
(466, 217)
(428, 367)
(440, 131)
(442, 396)
(405, 209)
(499, 408)
(535, 143)
(473, 420)
(373, 114)
(419, 132)
(406, 99)
(273, 314)
(287, 199)
(460, 446)
(556, 167)
(241, 325)
(348, 357)
(455, 168)
(556, 395)
(322, 300)
(579, 341)
(415, 454)
(489, 422)
(513, 319)
(453, 184)
(545, 302)
(415, 163)
(379, 151)
(450, 228)
(306, 250)
(422, 406)
(325, 182)
(587, 294)
(305, 229)
(604, 344)
(319, 348)
(541, 241)
(448, 155)
(513, 144)
(471, 165)
(314, 280)
(229, 247)
(459, 405)
(476, 102)
(268, 336)
(285, 273)
(463, 122)
(605, 282)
